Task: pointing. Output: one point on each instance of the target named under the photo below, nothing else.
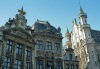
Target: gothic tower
(84, 42)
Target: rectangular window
(59, 65)
(28, 53)
(39, 44)
(18, 64)
(9, 46)
(28, 57)
(28, 65)
(39, 64)
(57, 47)
(48, 46)
(72, 67)
(19, 56)
(19, 50)
(7, 63)
(49, 65)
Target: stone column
(53, 51)
(24, 57)
(63, 64)
(44, 47)
(1, 49)
(14, 55)
(32, 58)
(3, 53)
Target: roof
(95, 35)
(44, 25)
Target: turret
(83, 17)
(85, 28)
(74, 22)
(68, 36)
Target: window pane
(39, 44)
(19, 50)
(18, 64)
(39, 64)
(48, 46)
(59, 65)
(9, 46)
(57, 47)
(28, 56)
(7, 63)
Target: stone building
(70, 61)
(48, 49)
(40, 46)
(16, 44)
(86, 43)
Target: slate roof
(43, 25)
(96, 35)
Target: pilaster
(14, 55)
(3, 52)
(24, 57)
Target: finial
(21, 11)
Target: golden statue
(22, 11)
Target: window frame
(48, 45)
(9, 46)
(18, 63)
(57, 47)
(59, 65)
(28, 57)
(7, 63)
(39, 64)
(19, 49)
(39, 44)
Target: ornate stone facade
(16, 44)
(86, 43)
(48, 49)
(40, 46)
(70, 61)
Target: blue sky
(57, 12)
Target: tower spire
(82, 16)
(81, 11)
